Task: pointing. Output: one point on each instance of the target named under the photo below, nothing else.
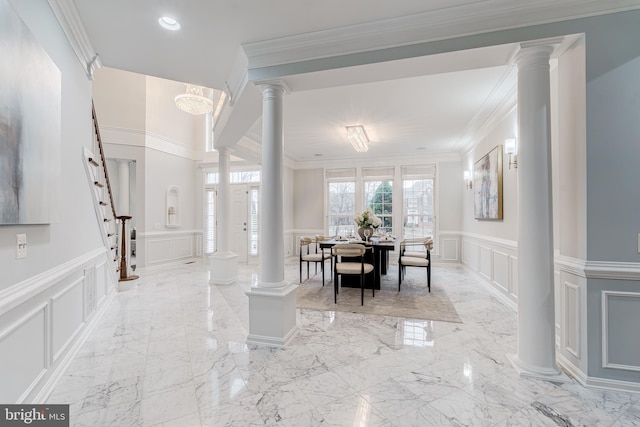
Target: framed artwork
(487, 185)
(30, 123)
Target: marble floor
(172, 352)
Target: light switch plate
(21, 246)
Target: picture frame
(30, 125)
(487, 184)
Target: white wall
(165, 143)
(490, 247)
(309, 199)
(48, 299)
(449, 184)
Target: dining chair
(415, 257)
(306, 255)
(353, 265)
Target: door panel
(239, 221)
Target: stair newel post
(124, 255)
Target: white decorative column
(272, 303)
(223, 262)
(536, 355)
(123, 187)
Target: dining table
(378, 255)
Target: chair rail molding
(46, 319)
(17, 294)
(598, 269)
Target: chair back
(304, 241)
(428, 243)
(348, 250)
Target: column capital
(223, 151)
(269, 86)
(537, 50)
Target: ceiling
(429, 104)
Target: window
(245, 176)
(209, 221)
(418, 201)
(341, 193)
(234, 177)
(378, 194)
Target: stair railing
(123, 267)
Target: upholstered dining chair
(416, 256)
(319, 239)
(308, 256)
(350, 267)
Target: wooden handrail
(124, 270)
(104, 162)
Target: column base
(223, 268)
(272, 315)
(127, 283)
(524, 371)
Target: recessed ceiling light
(169, 23)
(421, 148)
(318, 155)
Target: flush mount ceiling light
(194, 101)
(169, 23)
(358, 138)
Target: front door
(239, 221)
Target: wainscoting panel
(43, 321)
(159, 250)
(501, 270)
(619, 349)
(485, 263)
(513, 275)
(470, 254)
(169, 246)
(495, 261)
(198, 245)
(101, 282)
(450, 250)
(67, 315)
(183, 247)
(23, 346)
(571, 319)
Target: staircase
(114, 230)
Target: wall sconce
(511, 149)
(467, 180)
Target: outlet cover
(21, 246)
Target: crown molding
(145, 139)
(69, 19)
(351, 162)
(457, 21)
(487, 119)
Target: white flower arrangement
(367, 219)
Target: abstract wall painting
(487, 185)
(30, 117)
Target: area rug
(414, 301)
